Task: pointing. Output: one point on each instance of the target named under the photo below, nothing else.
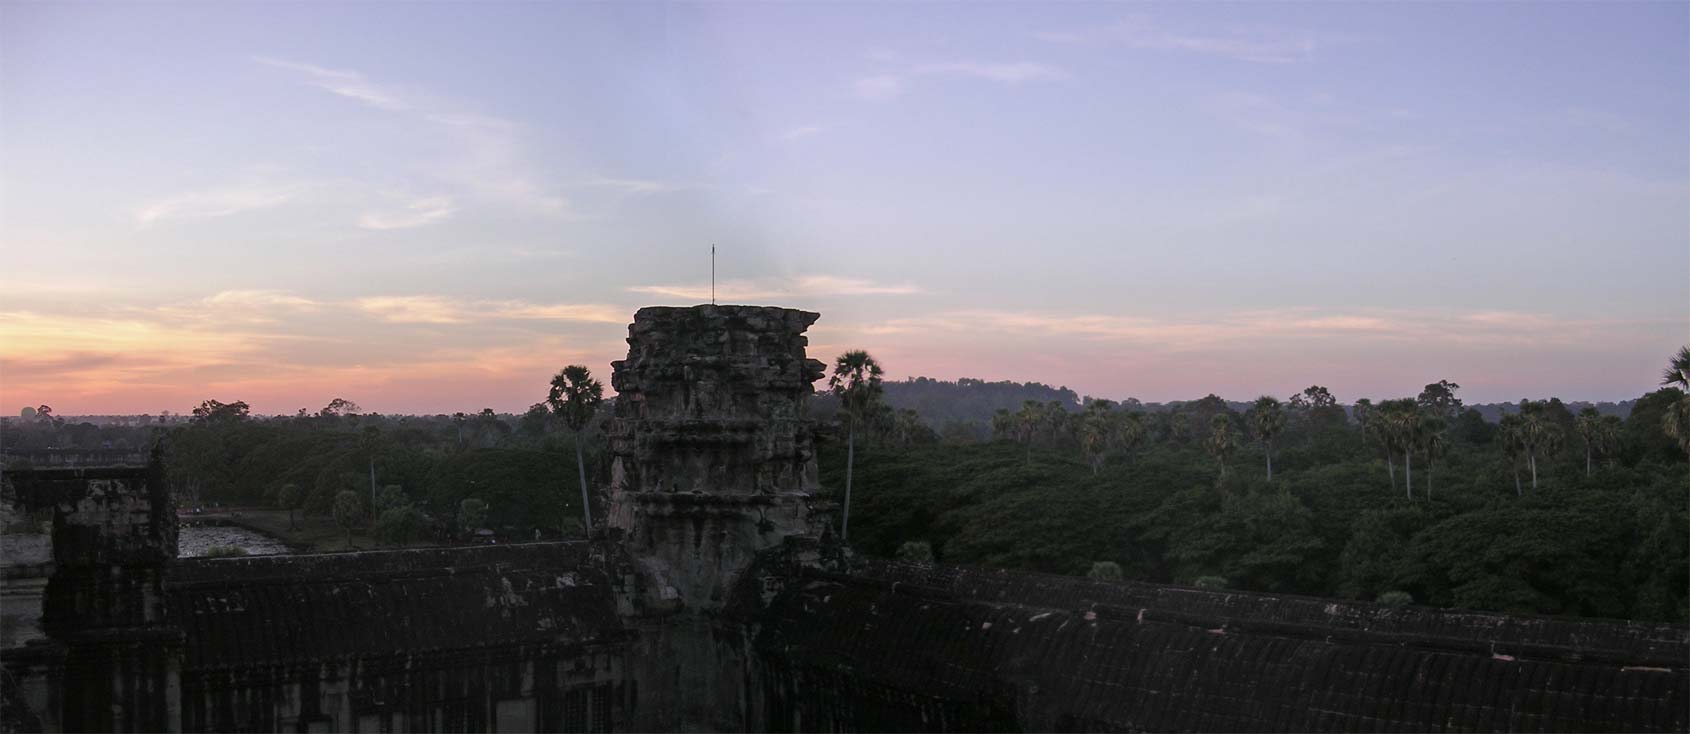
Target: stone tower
(713, 458)
(713, 461)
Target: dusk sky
(429, 207)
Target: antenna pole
(712, 274)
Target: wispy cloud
(349, 84)
(416, 214)
(484, 156)
(775, 289)
(891, 84)
(1489, 329)
(428, 309)
(1015, 73)
(878, 87)
(218, 202)
(636, 185)
(1251, 44)
(801, 132)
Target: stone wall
(102, 656)
(951, 648)
(500, 638)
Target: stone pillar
(113, 536)
(713, 460)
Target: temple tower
(713, 460)
(712, 454)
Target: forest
(1421, 499)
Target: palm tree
(856, 382)
(1432, 442)
(1266, 419)
(575, 397)
(1513, 444)
(1538, 434)
(1101, 429)
(1399, 426)
(1222, 441)
(1375, 428)
(1676, 420)
(1589, 425)
(1609, 437)
(1133, 430)
(1677, 373)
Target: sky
(432, 207)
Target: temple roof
(1075, 654)
(306, 608)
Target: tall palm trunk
(1517, 492)
(1587, 461)
(1428, 476)
(1408, 473)
(850, 460)
(1533, 462)
(581, 470)
(1270, 462)
(372, 483)
(1391, 467)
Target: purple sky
(432, 207)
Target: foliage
(916, 550)
(1396, 598)
(348, 512)
(1105, 571)
(472, 514)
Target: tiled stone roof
(299, 609)
(1061, 653)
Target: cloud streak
(1255, 44)
(884, 86)
(215, 203)
(807, 286)
(416, 214)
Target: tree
(1101, 430)
(348, 510)
(1539, 434)
(1221, 442)
(1399, 426)
(1439, 399)
(856, 381)
(1608, 437)
(458, 421)
(1513, 444)
(1676, 421)
(338, 407)
(28, 413)
(1266, 419)
(916, 550)
(1590, 432)
(1377, 428)
(1104, 571)
(472, 514)
(575, 398)
(214, 412)
(1432, 437)
(288, 498)
(368, 442)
